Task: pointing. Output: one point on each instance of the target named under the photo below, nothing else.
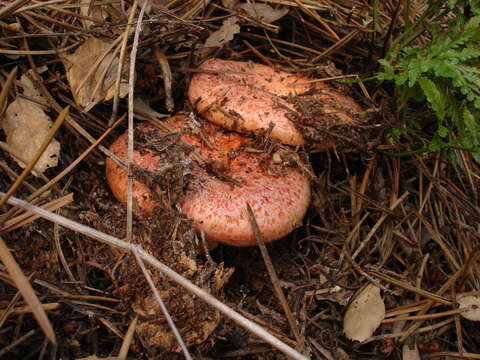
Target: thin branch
(131, 79)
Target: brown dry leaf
(364, 314)
(26, 126)
(474, 303)
(410, 354)
(224, 34)
(81, 62)
(264, 12)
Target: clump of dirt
(327, 129)
(173, 169)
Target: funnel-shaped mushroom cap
(279, 196)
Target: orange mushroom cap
(227, 101)
(244, 96)
(279, 196)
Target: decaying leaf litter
(400, 230)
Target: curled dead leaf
(225, 34)
(100, 85)
(364, 314)
(220, 37)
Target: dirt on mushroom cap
(244, 96)
(216, 200)
(225, 101)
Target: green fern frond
(446, 72)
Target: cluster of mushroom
(240, 98)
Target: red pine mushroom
(244, 96)
(279, 196)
